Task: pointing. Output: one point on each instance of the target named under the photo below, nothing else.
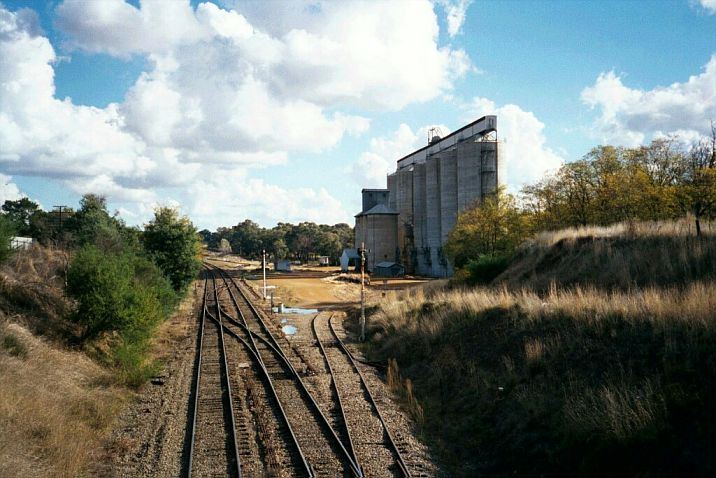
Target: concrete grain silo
(410, 221)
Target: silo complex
(425, 194)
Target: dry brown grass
(54, 408)
(621, 256)
(594, 356)
(32, 285)
(694, 304)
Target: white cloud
(225, 91)
(709, 5)
(522, 148)
(8, 189)
(630, 116)
(372, 166)
(455, 11)
(118, 28)
(232, 196)
(377, 55)
(41, 135)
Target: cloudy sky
(279, 111)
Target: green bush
(484, 269)
(7, 231)
(122, 297)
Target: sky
(282, 111)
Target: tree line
(303, 241)
(668, 179)
(125, 280)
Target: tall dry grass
(595, 355)
(623, 256)
(55, 407)
(32, 288)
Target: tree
(697, 192)
(245, 239)
(494, 227)
(7, 231)
(18, 213)
(173, 243)
(329, 244)
(92, 224)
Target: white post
(362, 291)
(263, 262)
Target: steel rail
(253, 351)
(391, 441)
(197, 377)
(354, 466)
(228, 384)
(338, 395)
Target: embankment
(570, 366)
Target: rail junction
(254, 407)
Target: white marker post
(263, 262)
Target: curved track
(372, 439)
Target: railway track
(322, 450)
(213, 450)
(374, 445)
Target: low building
(21, 243)
(323, 260)
(388, 269)
(350, 258)
(377, 228)
(283, 265)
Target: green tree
(19, 213)
(697, 192)
(93, 224)
(172, 242)
(7, 231)
(493, 228)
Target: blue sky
(284, 111)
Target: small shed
(323, 260)
(350, 257)
(388, 269)
(21, 243)
(283, 265)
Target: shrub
(102, 285)
(484, 269)
(6, 233)
(13, 346)
(122, 297)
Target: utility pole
(362, 291)
(263, 262)
(60, 211)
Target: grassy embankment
(593, 354)
(59, 396)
